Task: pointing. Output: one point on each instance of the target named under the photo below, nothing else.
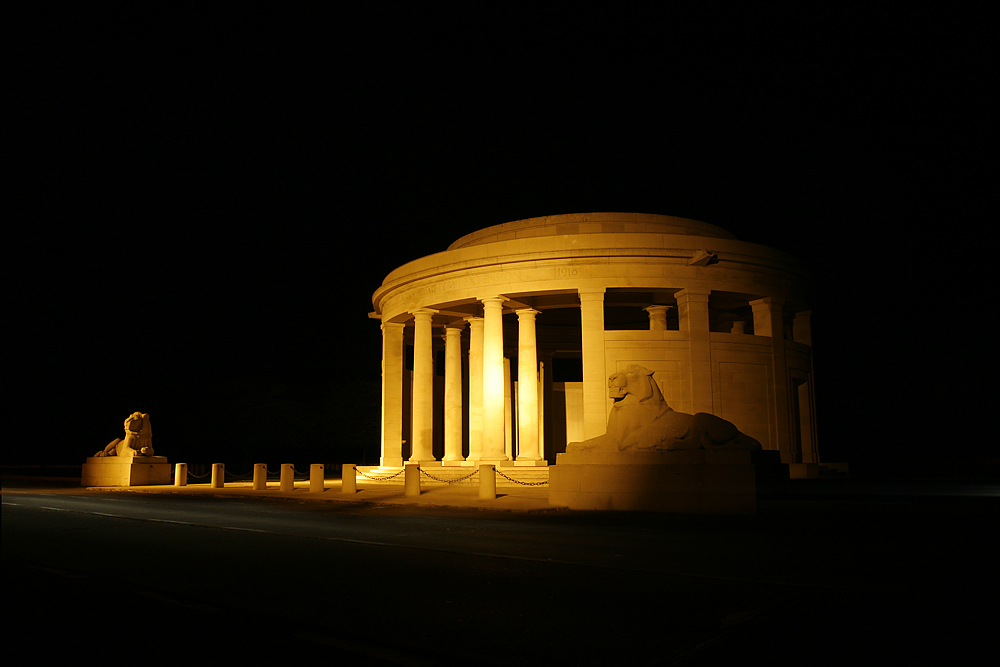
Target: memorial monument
(129, 461)
(533, 317)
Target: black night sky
(206, 203)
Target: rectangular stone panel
(697, 488)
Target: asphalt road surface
(175, 578)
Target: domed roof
(591, 223)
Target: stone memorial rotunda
(499, 349)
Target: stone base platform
(125, 471)
(689, 482)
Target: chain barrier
(448, 481)
(169, 475)
(379, 479)
(517, 481)
(236, 477)
(275, 475)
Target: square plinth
(696, 482)
(125, 471)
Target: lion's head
(635, 382)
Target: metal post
(487, 482)
(411, 483)
(218, 475)
(316, 478)
(349, 478)
(259, 476)
(287, 477)
(181, 474)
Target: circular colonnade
(724, 325)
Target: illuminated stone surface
(125, 471)
(642, 421)
(723, 324)
(653, 459)
(138, 438)
(128, 462)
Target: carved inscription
(466, 282)
(566, 271)
(476, 282)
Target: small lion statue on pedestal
(642, 421)
(138, 438)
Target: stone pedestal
(125, 471)
(689, 482)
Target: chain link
(373, 478)
(379, 479)
(448, 481)
(517, 481)
(236, 477)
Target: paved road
(382, 584)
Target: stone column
(453, 391)
(493, 381)
(768, 320)
(544, 399)
(692, 309)
(527, 387)
(509, 427)
(595, 377)
(423, 387)
(657, 317)
(802, 328)
(475, 388)
(392, 395)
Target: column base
(530, 463)
(426, 463)
(497, 462)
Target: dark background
(203, 204)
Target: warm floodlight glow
(735, 390)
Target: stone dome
(591, 223)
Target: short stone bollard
(218, 475)
(487, 482)
(349, 478)
(287, 477)
(259, 476)
(181, 474)
(411, 480)
(316, 482)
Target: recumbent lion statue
(138, 438)
(642, 421)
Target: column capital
(495, 298)
(389, 326)
(527, 312)
(657, 317)
(450, 333)
(591, 293)
(424, 312)
(695, 294)
(769, 301)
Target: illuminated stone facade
(564, 302)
